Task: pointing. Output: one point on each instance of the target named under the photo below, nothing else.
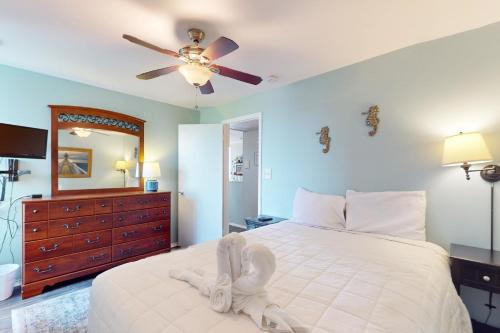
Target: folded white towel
(250, 297)
(229, 255)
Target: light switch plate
(247, 164)
(268, 173)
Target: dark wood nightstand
(475, 267)
(254, 222)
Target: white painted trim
(226, 122)
(172, 245)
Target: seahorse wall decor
(325, 139)
(372, 119)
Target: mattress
(331, 280)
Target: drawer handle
(126, 251)
(486, 278)
(49, 269)
(89, 241)
(35, 211)
(103, 205)
(160, 242)
(143, 217)
(35, 230)
(98, 257)
(69, 210)
(103, 221)
(120, 219)
(129, 233)
(76, 226)
(45, 250)
(158, 228)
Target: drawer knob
(158, 228)
(90, 241)
(129, 233)
(45, 250)
(103, 205)
(35, 230)
(43, 271)
(126, 251)
(486, 278)
(75, 226)
(35, 211)
(98, 257)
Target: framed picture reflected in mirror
(74, 162)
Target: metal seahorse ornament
(325, 139)
(372, 119)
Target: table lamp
(150, 171)
(466, 149)
(122, 167)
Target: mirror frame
(61, 118)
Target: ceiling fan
(198, 67)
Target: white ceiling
(245, 125)
(293, 39)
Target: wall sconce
(466, 149)
(122, 167)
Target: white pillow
(400, 214)
(319, 209)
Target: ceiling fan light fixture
(82, 132)
(195, 73)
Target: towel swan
(242, 273)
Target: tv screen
(22, 142)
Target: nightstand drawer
(480, 276)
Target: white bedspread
(334, 281)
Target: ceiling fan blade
(207, 88)
(140, 42)
(237, 75)
(219, 48)
(157, 72)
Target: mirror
(87, 159)
(95, 151)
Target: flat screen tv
(22, 142)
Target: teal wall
(425, 93)
(24, 97)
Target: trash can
(7, 278)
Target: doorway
(242, 162)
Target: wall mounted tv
(22, 142)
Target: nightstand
(253, 222)
(475, 267)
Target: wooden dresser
(66, 237)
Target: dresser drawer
(48, 268)
(140, 216)
(140, 231)
(141, 202)
(103, 206)
(480, 276)
(91, 240)
(34, 231)
(65, 209)
(38, 211)
(142, 246)
(79, 225)
(47, 248)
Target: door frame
(225, 196)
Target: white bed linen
(332, 280)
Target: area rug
(63, 314)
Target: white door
(200, 183)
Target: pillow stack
(399, 214)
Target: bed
(332, 280)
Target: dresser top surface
(474, 254)
(90, 196)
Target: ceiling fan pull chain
(196, 97)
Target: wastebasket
(7, 279)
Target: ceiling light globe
(195, 74)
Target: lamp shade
(151, 169)
(121, 165)
(467, 148)
(195, 74)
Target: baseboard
(174, 245)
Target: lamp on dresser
(150, 171)
(466, 149)
(122, 167)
